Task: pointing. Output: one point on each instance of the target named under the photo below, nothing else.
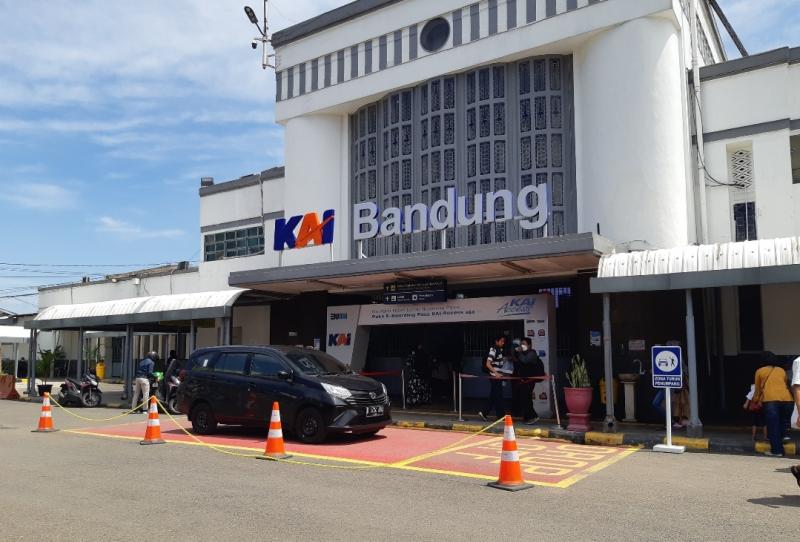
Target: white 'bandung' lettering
(451, 212)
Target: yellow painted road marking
(406, 464)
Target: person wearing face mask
(527, 364)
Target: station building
(538, 168)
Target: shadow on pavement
(778, 502)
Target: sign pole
(667, 375)
(668, 404)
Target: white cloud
(126, 230)
(39, 196)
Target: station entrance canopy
(139, 311)
(766, 261)
(530, 258)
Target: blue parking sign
(667, 367)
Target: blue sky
(111, 111)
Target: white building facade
(503, 147)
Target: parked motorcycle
(169, 394)
(85, 392)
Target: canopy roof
(13, 334)
(766, 261)
(530, 258)
(137, 310)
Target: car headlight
(336, 391)
(385, 391)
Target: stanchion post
(455, 405)
(403, 386)
(555, 399)
(460, 398)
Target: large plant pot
(41, 388)
(579, 401)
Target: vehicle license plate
(373, 411)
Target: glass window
(265, 365)
(794, 144)
(314, 362)
(232, 244)
(202, 362)
(744, 221)
(232, 362)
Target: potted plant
(578, 396)
(47, 359)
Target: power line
(86, 264)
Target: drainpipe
(702, 227)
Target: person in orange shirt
(772, 391)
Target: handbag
(757, 406)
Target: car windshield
(316, 363)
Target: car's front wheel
(310, 427)
(203, 420)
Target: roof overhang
(526, 259)
(698, 279)
(766, 261)
(13, 334)
(152, 311)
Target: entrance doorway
(447, 349)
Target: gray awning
(530, 258)
(766, 261)
(13, 334)
(137, 310)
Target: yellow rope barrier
(68, 411)
(323, 465)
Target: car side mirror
(285, 375)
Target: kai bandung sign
(451, 212)
(368, 221)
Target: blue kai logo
(313, 232)
(517, 306)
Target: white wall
(254, 323)
(752, 97)
(316, 180)
(630, 138)
(241, 203)
(779, 304)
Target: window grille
(740, 168)
(234, 244)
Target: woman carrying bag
(773, 393)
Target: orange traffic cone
(152, 435)
(510, 470)
(46, 417)
(275, 448)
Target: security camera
(254, 44)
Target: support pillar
(32, 364)
(610, 424)
(79, 366)
(225, 331)
(695, 428)
(192, 337)
(127, 363)
(16, 361)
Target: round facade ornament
(434, 34)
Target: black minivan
(317, 394)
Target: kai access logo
(312, 232)
(339, 339)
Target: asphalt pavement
(67, 486)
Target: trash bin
(602, 384)
(100, 369)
